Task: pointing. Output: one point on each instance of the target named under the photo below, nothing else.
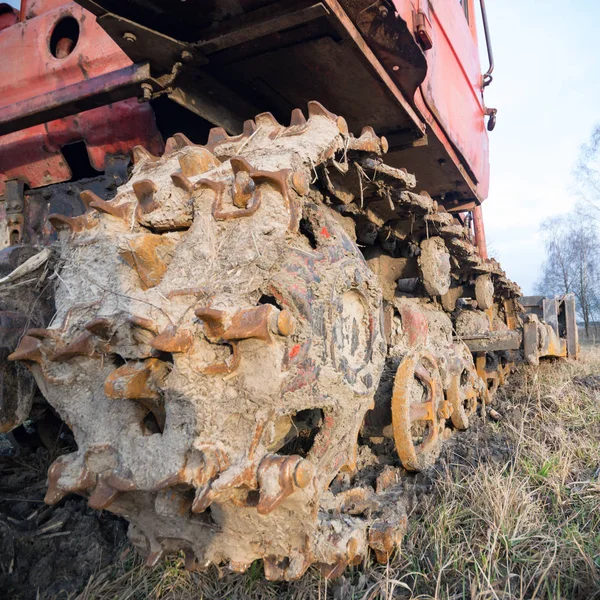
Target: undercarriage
(255, 339)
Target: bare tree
(587, 177)
(572, 262)
(557, 275)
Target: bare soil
(49, 551)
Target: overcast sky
(547, 91)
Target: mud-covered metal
(271, 379)
(552, 326)
(419, 405)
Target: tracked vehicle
(244, 261)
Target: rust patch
(148, 254)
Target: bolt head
(286, 324)
(385, 146)
(243, 189)
(301, 182)
(304, 473)
(129, 37)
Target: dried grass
(526, 528)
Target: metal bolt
(303, 473)
(243, 189)
(186, 56)
(301, 182)
(129, 37)
(286, 324)
(147, 91)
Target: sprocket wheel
(204, 316)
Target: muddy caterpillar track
(246, 327)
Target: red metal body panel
(29, 69)
(451, 97)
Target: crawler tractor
(244, 261)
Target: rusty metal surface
(29, 69)
(494, 341)
(261, 63)
(378, 38)
(406, 412)
(78, 97)
(550, 313)
(452, 90)
(556, 323)
(462, 393)
(34, 155)
(530, 344)
(372, 33)
(479, 229)
(63, 199)
(232, 382)
(14, 206)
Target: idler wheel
(462, 395)
(418, 410)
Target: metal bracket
(75, 98)
(491, 113)
(571, 326)
(423, 30)
(165, 83)
(15, 208)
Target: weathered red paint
(451, 97)
(415, 326)
(28, 69)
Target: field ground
(511, 510)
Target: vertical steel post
(571, 325)
(479, 232)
